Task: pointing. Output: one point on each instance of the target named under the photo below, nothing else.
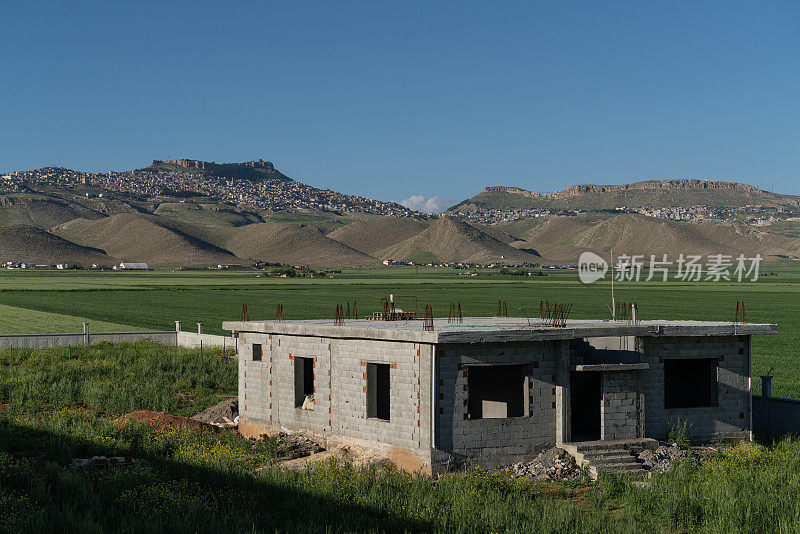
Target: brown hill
(148, 238)
(41, 211)
(207, 214)
(452, 240)
(24, 243)
(564, 238)
(648, 193)
(377, 233)
(295, 244)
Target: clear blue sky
(409, 98)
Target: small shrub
(680, 433)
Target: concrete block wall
(408, 426)
(619, 411)
(254, 378)
(285, 352)
(266, 389)
(492, 442)
(731, 417)
(776, 416)
(192, 340)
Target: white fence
(176, 337)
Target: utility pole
(613, 303)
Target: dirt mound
(228, 409)
(23, 243)
(162, 421)
(294, 244)
(148, 238)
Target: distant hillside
(23, 243)
(451, 240)
(377, 233)
(46, 211)
(148, 238)
(294, 244)
(207, 214)
(648, 194)
(565, 238)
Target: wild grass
(116, 378)
(193, 481)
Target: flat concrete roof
(495, 329)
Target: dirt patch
(349, 455)
(163, 421)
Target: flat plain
(154, 300)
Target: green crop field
(154, 300)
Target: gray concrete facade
(493, 391)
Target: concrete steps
(614, 456)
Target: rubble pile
(550, 464)
(223, 414)
(658, 460)
(292, 446)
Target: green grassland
(60, 404)
(15, 320)
(154, 300)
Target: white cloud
(434, 204)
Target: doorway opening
(585, 399)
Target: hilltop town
(255, 184)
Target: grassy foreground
(60, 404)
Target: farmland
(154, 300)
(60, 404)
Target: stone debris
(550, 464)
(291, 446)
(101, 462)
(224, 414)
(659, 460)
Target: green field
(154, 300)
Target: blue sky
(409, 98)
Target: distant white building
(134, 267)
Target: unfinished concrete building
(492, 391)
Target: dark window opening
(378, 390)
(304, 383)
(690, 383)
(256, 352)
(496, 391)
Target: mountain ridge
(683, 192)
